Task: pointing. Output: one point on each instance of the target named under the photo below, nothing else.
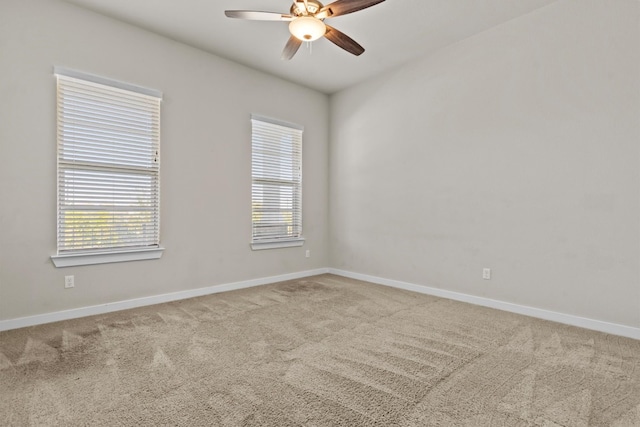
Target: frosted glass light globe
(307, 28)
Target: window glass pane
(108, 167)
(276, 181)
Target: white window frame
(110, 161)
(272, 133)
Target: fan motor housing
(298, 8)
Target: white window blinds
(276, 171)
(108, 165)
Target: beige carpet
(321, 351)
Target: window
(276, 191)
(108, 171)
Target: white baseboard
(582, 322)
(40, 319)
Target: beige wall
(516, 149)
(206, 222)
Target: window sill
(275, 244)
(89, 258)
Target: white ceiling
(392, 32)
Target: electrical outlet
(486, 273)
(308, 254)
(69, 282)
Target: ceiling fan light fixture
(307, 28)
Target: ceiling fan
(306, 22)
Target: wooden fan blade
(342, 40)
(342, 7)
(291, 48)
(255, 15)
